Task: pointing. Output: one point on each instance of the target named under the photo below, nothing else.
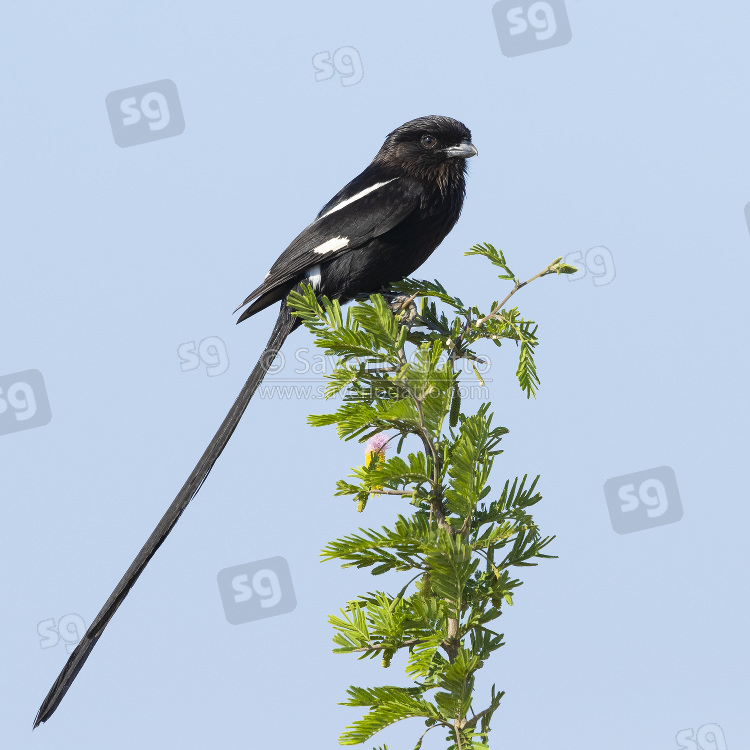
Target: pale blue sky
(633, 137)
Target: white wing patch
(356, 197)
(314, 276)
(335, 243)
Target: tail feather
(284, 326)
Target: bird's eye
(428, 141)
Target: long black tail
(284, 326)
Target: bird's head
(432, 146)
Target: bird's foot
(402, 303)
(397, 303)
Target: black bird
(378, 229)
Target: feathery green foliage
(397, 372)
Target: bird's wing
(346, 223)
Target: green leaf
(495, 256)
(388, 704)
(455, 404)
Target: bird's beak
(464, 150)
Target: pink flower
(377, 443)
(376, 446)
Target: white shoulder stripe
(335, 243)
(356, 197)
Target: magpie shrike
(378, 229)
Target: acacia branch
(383, 647)
(518, 285)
